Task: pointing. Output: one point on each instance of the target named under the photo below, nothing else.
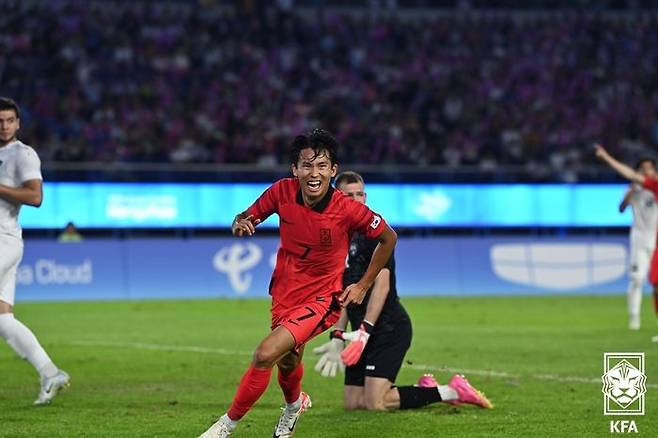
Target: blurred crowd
(172, 82)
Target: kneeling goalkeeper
(380, 337)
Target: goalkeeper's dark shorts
(383, 355)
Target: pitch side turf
(168, 368)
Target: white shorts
(11, 253)
(641, 254)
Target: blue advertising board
(166, 205)
(229, 267)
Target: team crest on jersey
(325, 236)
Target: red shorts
(653, 272)
(307, 320)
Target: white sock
(26, 345)
(294, 406)
(634, 298)
(447, 393)
(231, 424)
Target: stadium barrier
(167, 205)
(230, 267)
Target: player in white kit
(642, 238)
(20, 183)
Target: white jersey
(18, 163)
(645, 216)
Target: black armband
(367, 326)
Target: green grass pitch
(168, 368)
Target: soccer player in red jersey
(316, 225)
(649, 182)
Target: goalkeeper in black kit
(380, 337)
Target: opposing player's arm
(29, 193)
(341, 324)
(359, 338)
(352, 354)
(378, 296)
(354, 293)
(626, 200)
(622, 169)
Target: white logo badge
(234, 261)
(624, 384)
(432, 205)
(376, 220)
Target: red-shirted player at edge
(316, 225)
(649, 183)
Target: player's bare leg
(376, 394)
(353, 398)
(25, 344)
(271, 349)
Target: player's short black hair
(643, 160)
(319, 140)
(7, 104)
(348, 177)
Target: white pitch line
(487, 373)
(159, 347)
(419, 367)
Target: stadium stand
(166, 82)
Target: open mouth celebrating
(314, 185)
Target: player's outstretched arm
(354, 293)
(622, 169)
(626, 200)
(244, 224)
(29, 193)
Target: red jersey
(650, 183)
(314, 241)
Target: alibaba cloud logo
(235, 261)
(559, 266)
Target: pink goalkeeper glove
(359, 339)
